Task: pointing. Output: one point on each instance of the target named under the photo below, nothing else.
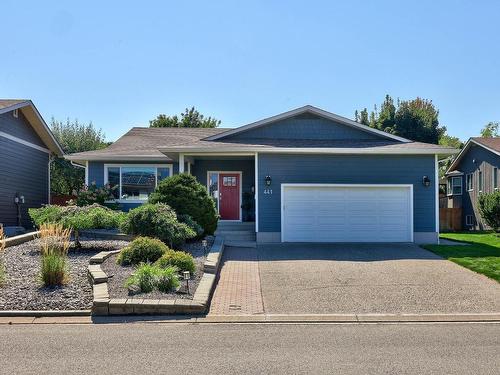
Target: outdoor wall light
(204, 243)
(426, 181)
(268, 180)
(186, 276)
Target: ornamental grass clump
(148, 277)
(54, 245)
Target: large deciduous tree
(191, 118)
(490, 130)
(415, 119)
(73, 137)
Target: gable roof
(307, 109)
(490, 144)
(35, 119)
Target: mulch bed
(118, 275)
(23, 289)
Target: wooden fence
(450, 219)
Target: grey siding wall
(23, 170)
(485, 161)
(19, 127)
(305, 127)
(247, 167)
(348, 169)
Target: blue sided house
(305, 175)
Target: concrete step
(236, 225)
(240, 243)
(224, 232)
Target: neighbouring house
(474, 171)
(26, 149)
(306, 175)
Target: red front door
(229, 196)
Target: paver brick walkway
(238, 290)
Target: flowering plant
(92, 194)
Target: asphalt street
(152, 348)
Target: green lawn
(482, 255)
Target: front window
(495, 178)
(455, 186)
(135, 182)
(470, 185)
(480, 180)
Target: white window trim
(471, 223)
(471, 175)
(240, 173)
(106, 166)
(450, 191)
(15, 113)
(493, 178)
(480, 181)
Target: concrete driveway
(348, 279)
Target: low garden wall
(104, 305)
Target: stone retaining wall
(104, 305)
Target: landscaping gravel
(118, 275)
(23, 289)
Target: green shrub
(92, 194)
(167, 279)
(180, 259)
(159, 221)
(148, 277)
(489, 206)
(46, 214)
(53, 269)
(189, 221)
(142, 250)
(144, 277)
(186, 196)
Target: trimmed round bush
(187, 197)
(142, 250)
(158, 221)
(180, 259)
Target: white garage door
(346, 213)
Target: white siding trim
(256, 192)
(23, 142)
(436, 183)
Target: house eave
(464, 151)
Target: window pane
(457, 185)
(495, 178)
(480, 182)
(213, 187)
(138, 182)
(163, 173)
(114, 180)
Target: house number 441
(268, 191)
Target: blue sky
(120, 63)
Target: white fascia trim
(311, 109)
(408, 186)
(313, 150)
(23, 142)
(465, 149)
(119, 158)
(256, 192)
(436, 185)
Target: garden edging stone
(17, 240)
(104, 305)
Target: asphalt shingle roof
(493, 143)
(5, 103)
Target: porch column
(181, 163)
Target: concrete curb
(17, 240)
(39, 313)
(214, 256)
(104, 305)
(172, 317)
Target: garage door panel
(347, 214)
